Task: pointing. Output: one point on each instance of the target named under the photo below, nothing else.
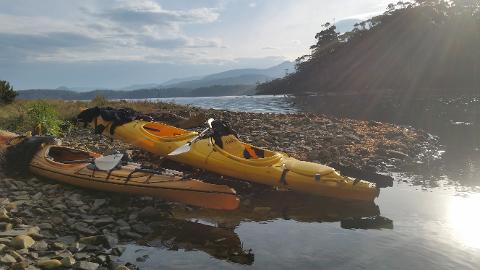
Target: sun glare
(464, 217)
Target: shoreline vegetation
(46, 223)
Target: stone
(22, 241)
(5, 241)
(81, 256)
(11, 206)
(5, 226)
(121, 267)
(2, 247)
(49, 263)
(40, 246)
(103, 221)
(118, 251)
(90, 240)
(7, 259)
(16, 255)
(37, 196)
(84, 265)
(110, 240)
(59, 245)
(76, 247)
(68, 261)
(84, 229)
(98, 203)
(68, 240)
(4, 215)
(45, 226)
(142, 228)
(133, 235)
(20, 266)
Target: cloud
(45, 42)
(148, 13)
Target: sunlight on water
(464, 217)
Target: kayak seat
(62, 154)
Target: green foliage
(7, 94)
(99, 101)
(43, 119)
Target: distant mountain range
(231, 82)
(247, 76)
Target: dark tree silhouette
(7, 94)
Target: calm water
(260, 104)
(410, 226)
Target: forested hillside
(426, 47)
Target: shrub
(99, 101)
(43, 119)
(7, 94)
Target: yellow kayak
(236, 159)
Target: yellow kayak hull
(275, 169)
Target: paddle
(104, 163)
(186, 147)
(107, 163)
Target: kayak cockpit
(67, 155)
(233, 148)
(160, 130)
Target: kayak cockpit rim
(260, 161)
(56, 154)
(164, 132)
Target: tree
(326, 38)
(7, 94)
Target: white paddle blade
(107, 163)
(209, 122)
(182, 149)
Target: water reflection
(272, 205)
(221, 243)
(464, 219)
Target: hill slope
(250, 76)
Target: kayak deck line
(79, 176)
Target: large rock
(22, 241)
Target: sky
(117, 43)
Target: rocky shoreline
(48, 225)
